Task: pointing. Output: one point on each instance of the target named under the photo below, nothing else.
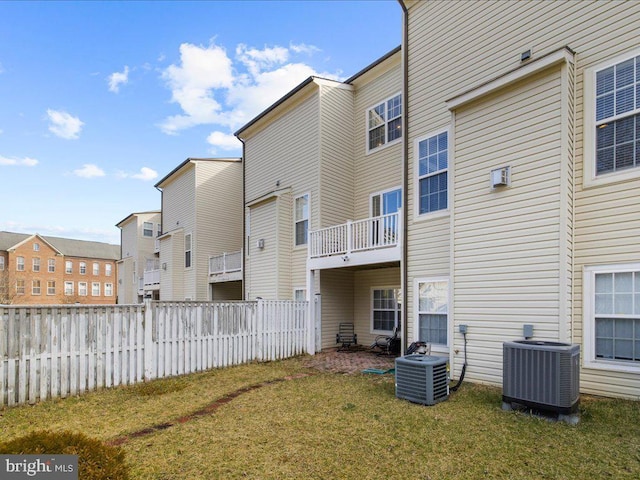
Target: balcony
(226, 267)
(361, 242)
(151, 278)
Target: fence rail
(59, 351)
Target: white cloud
(213, 89)
(64, 125)
(225, 141)
(147, 174)
(89, 170)
(20, 162)
(118, 78)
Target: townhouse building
(139, 253)
(43, 270)
(200, 246)
(522, 173)
(323, 176)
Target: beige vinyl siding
(218, 211)
(336, 169)
(507, 242)
(172, 279)
(489, 38)
(129, 238)
(291, 260)
(337, 303)
(381, 169)
(125, 273)
(263, 270)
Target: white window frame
(82, 287)
(51, 287)
(95, 289)
(96, 268)
(36, 247)
(387, 121)
(435, 347)
(83, 268)
(107, 269)
(108, 289)
(296, 294)
(68, 288)
(1, 263)
(297, 220)
(51, 265)
(147, 229)
(36, 287)
(588, 327)
(590, 178)
(19, 264)
(188, 250)
(68, 266)
(397, 310)
(35, 264)
(416, 161)
(21, 287)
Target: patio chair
(386, 344)
(346, 337)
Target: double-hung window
(95, 289)
(35, 263)
(612, 118)
(96, 268)
(108, 289)
(433, 310)
(432, 169)
(82, 289)
(20, 286)
(51, 265)
(384, 122)
(35, 287)
(301, 219)
(51, 287)
(107, 269)
(612, 317)
(187, 250)
(68, 266)
(385, 309)
(147, 229)
(83, 268)
(20, 264)
(1, 264)
(68, 288)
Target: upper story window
(433, 165)
(20, 264)
(96, 268)
(147, 229)
(158, 229)
(68, 288)
(68, 266)
(187, 250)
(612, 120)
(20, 286)
(82, 289)
(384, 122)
(301, 219)
(1, 264)
(35, 261)
(36, 247)
(35, 287)
(83, 268)
(108, 289)
(107, 269)
(51, 265)
(612, 317)
(95, 289)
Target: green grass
(340, 426)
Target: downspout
(405, 174)
(244, 222)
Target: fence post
(260, 329)
(148, 341)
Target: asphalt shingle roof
(67, 246)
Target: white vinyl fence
(62, 350)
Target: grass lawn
(326, 426)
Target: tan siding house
(310, 159)
(547, 90)
(201, 230)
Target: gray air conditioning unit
(541, 375)
(422, 379)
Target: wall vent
(541, 375)
(422, 379)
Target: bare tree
(7, 294)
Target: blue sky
(99, 100)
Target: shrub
(96, 460)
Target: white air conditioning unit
(422, 379)
(500, 177)
(541, 375)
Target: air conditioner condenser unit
(422, 379)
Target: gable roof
(66, 246)
(193, 160)
(131, 215)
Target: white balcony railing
(355, 236)
(151, 278)
(225, 263)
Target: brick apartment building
(43, 270)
